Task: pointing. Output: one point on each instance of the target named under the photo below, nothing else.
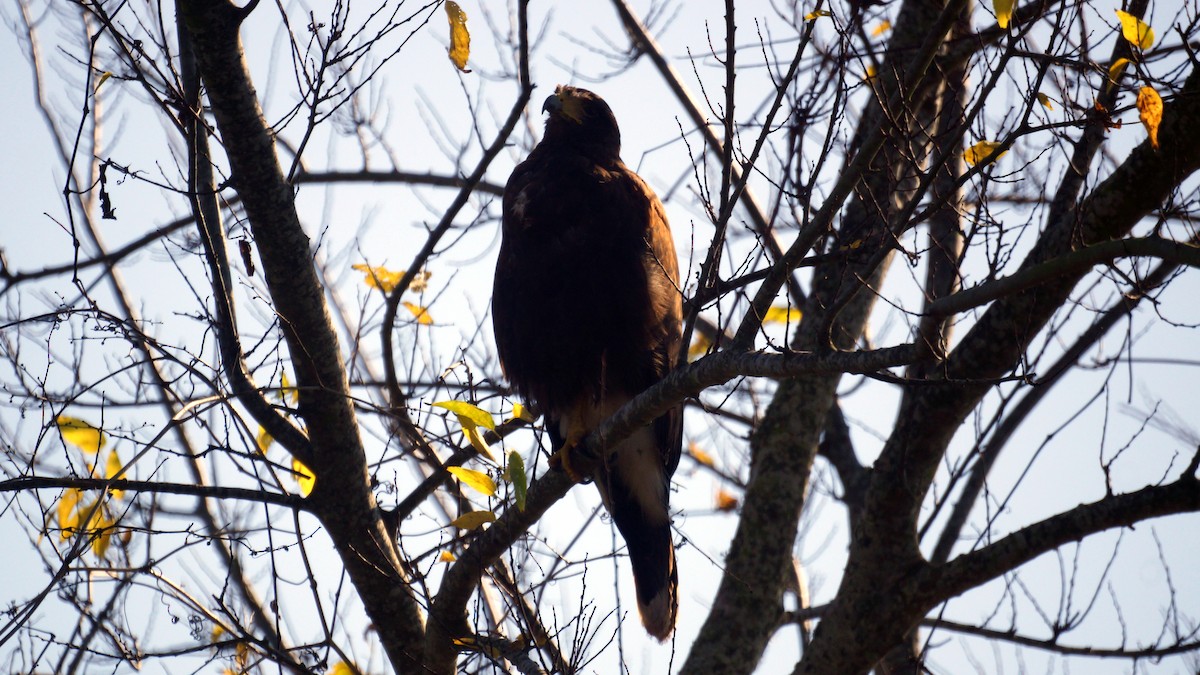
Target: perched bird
(587, 313)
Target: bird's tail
(652, 557)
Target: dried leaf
(699, 455)
(460, 37)
(103, 78)
(247, 254)
(80, 434)
(476, 480)
(304, 476)
(341, 668)
(813, 16)
(1136, 31)
(981, 152)
(420, 282)
(1003, 9)
(1150, 110)
(516, 476)
(1046, 101)
(883, 27)
(447, 557)
(473, 520)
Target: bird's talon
(562, 460)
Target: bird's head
(580, 117)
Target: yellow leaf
(883, 27)
(726, 501)
(523, 413)
(468, 414)
(1150, 110)
(379, 277)
(870, 74)
(304, 476)
(981, 152)
(111, 468)
(699, 455)
(1003, 10)
(68, 511)
(699, 347)
(475, 437)
(460, 37)
(103, 78)
(779, 314)
(476, 480)
(80, 434)
(100, 526)
(103, 538)
(473, 520)
(263, 440)
(1117, 68)
(516, 475)
(288, 393)
(1136, 31)
(217, 631)
(1046, 101)
(341, 668)
(421, 313)
(447, 557)
(813, 16)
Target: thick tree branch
(1071, 264)
(977, 567)
(342, 498)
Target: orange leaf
(421, 313)
(982, 152)
(1150, 110)
(726, 501)
(460, 37)
(379, 277)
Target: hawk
(587, 313)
